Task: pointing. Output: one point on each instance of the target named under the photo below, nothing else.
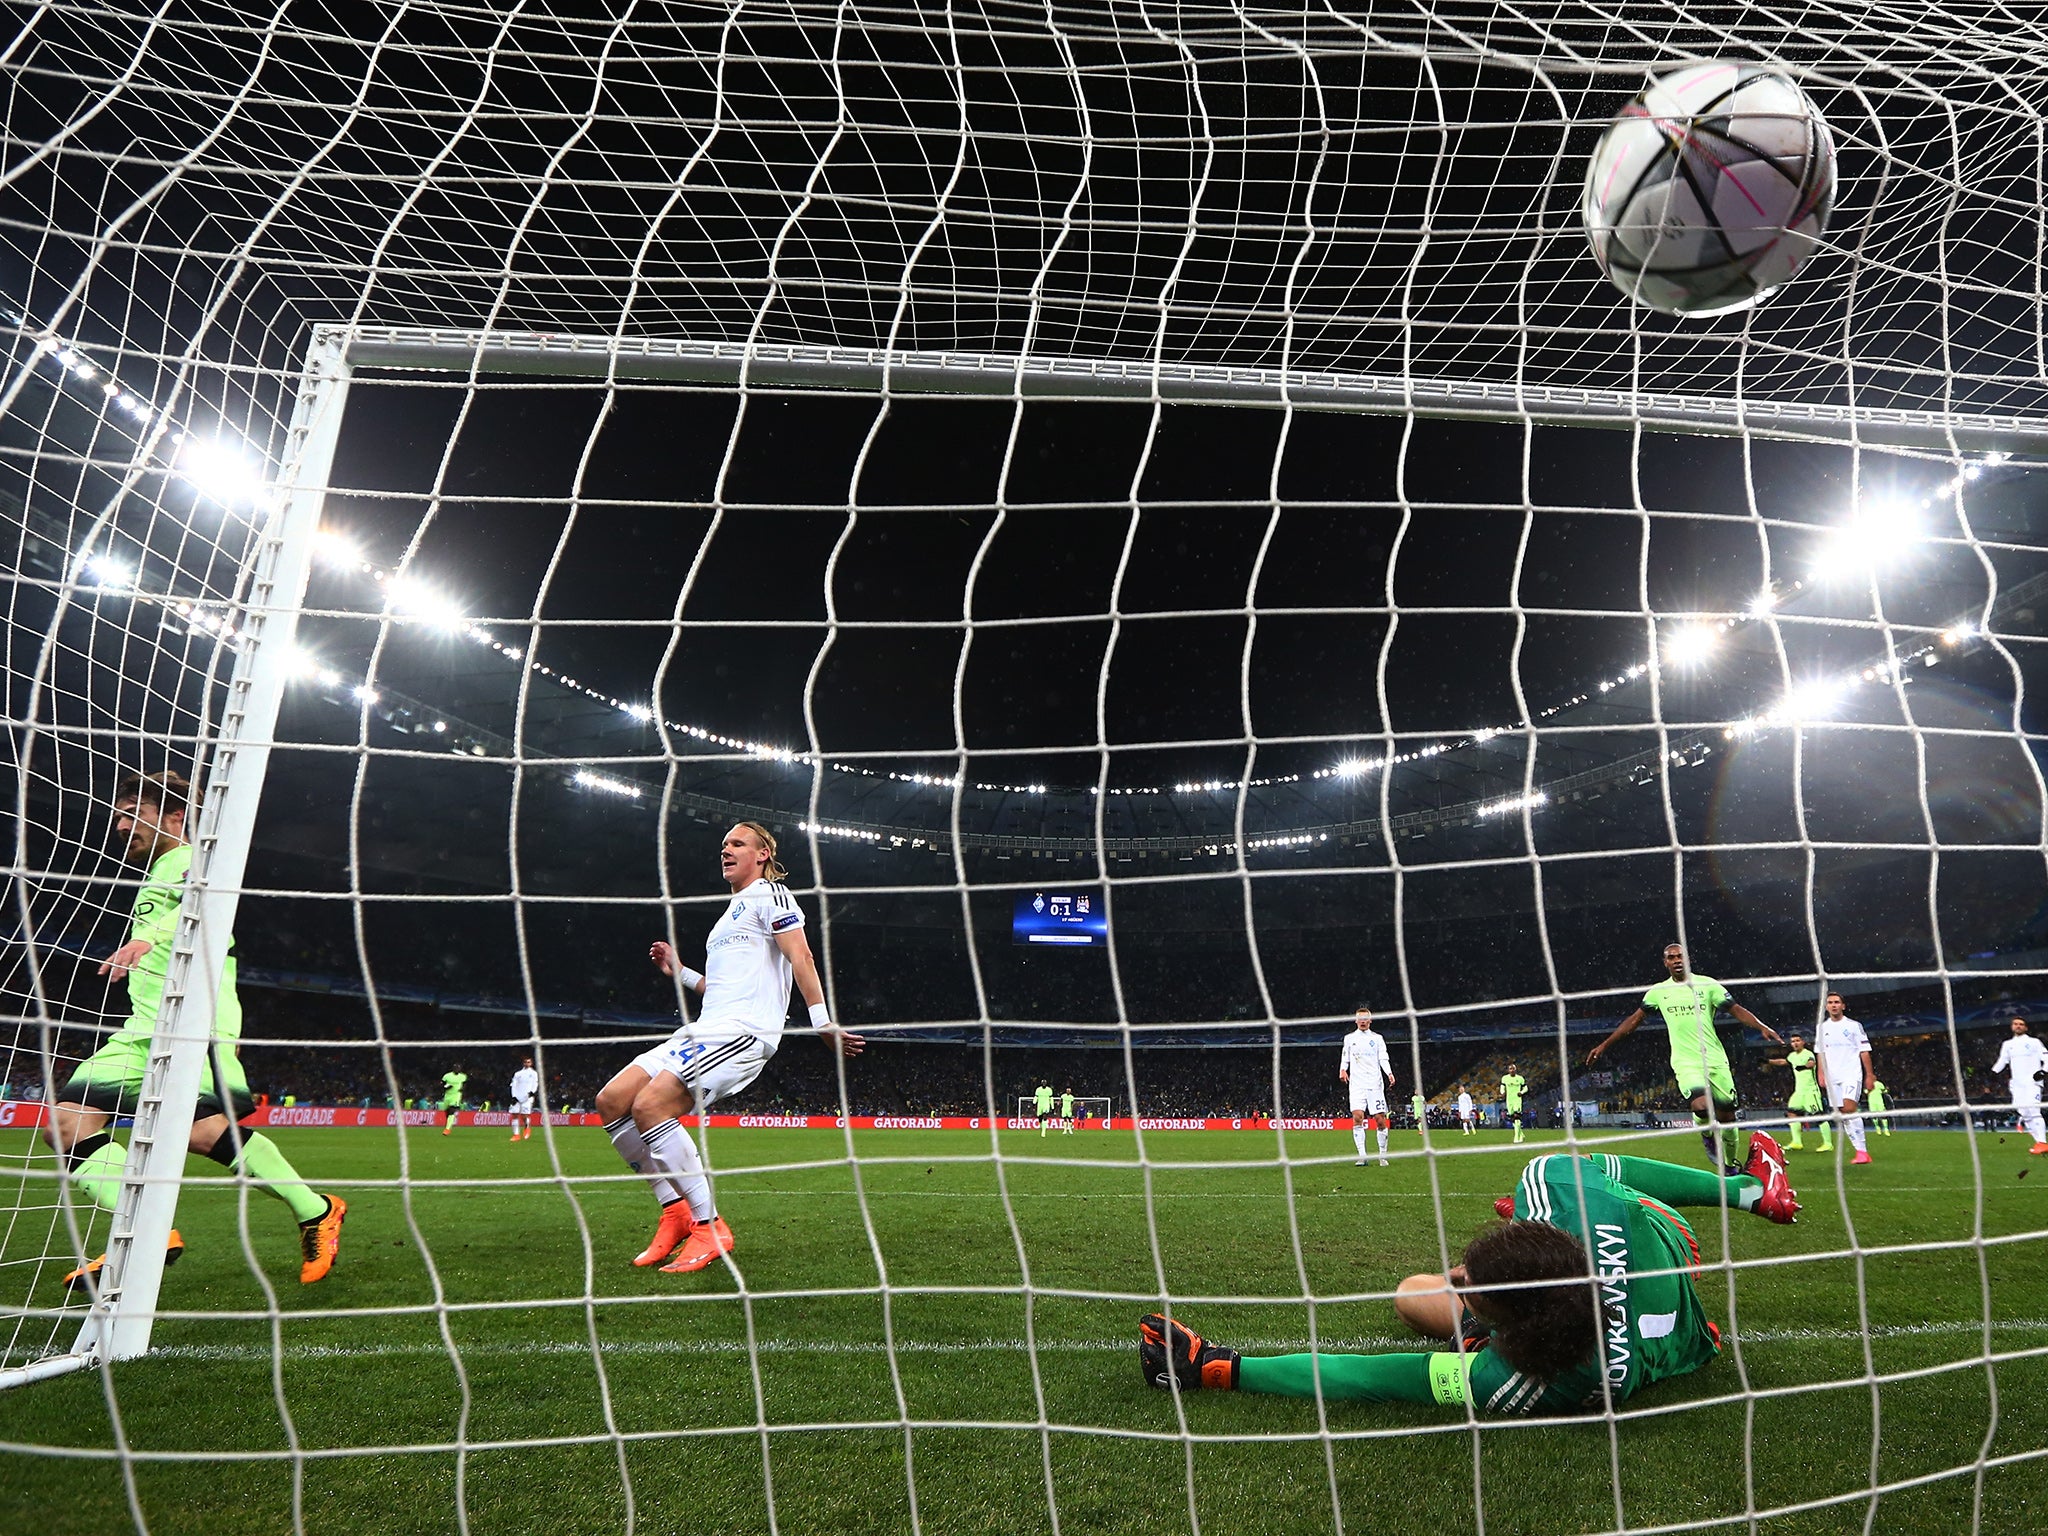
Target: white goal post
(123, 1298)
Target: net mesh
(1465, 719)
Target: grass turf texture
(509, 1370)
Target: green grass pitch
(497, 1401)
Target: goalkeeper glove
(1169, 1349)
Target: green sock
(1827, 1136)
(1676, 1185)
(98, 1175)
(271, 1171)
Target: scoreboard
(1075, 919)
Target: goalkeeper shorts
(111, 1080)
(711, 1066)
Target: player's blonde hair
(773, 869)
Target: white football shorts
(713, 1066)
(1368, 1103)
(1845, 1079)
(522, 1106)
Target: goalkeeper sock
(263, 1165)
(674, 1152)
(632, 1147)
(95, 1163)
(1676, 1185)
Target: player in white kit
(2026, 1058)
(1465, 1111)
(525, 1084)
(1366, 1068)
(755, 949)
(1845, 1073)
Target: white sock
(674, 1152)
(1383, 1143)
(632, 1147)
(2032, 1121)
(1358, 1136)
(1853, 1128)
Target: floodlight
(221, 472)
(1763, 604)
(336, 548)
(1690, 644)
(410, 596)
(110, 571)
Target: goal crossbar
(785, 365)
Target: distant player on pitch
(1845, 1071)
(149, 811)
(1806, 1102)
(1365, 1067)
(1687, 1003)
(525, 1084)
(1041, 1101)
(754, 950)
(1880, 1110)
(1465, 1111)
(1421, 1107)
(1512, 1086)
(451, 1098)
(2026, 1058)
(1067, 1112)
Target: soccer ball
(1710, 188)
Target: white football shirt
(1365, 1058)
(1464, 1106)
(746, 975)
(525, 1084)
(1841, 1043)
(2025, 1057)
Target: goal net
(1160, 517)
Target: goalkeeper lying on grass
(1584, 1289)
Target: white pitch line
(670, 1347)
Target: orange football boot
(676, 1222)
(320, 1241)
(708, 1239)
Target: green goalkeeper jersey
(1512, 1087)
(1688, 1008)
(154, 918)
(1652, 1325)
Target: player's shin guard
(674, 1152)
(632, 1148)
